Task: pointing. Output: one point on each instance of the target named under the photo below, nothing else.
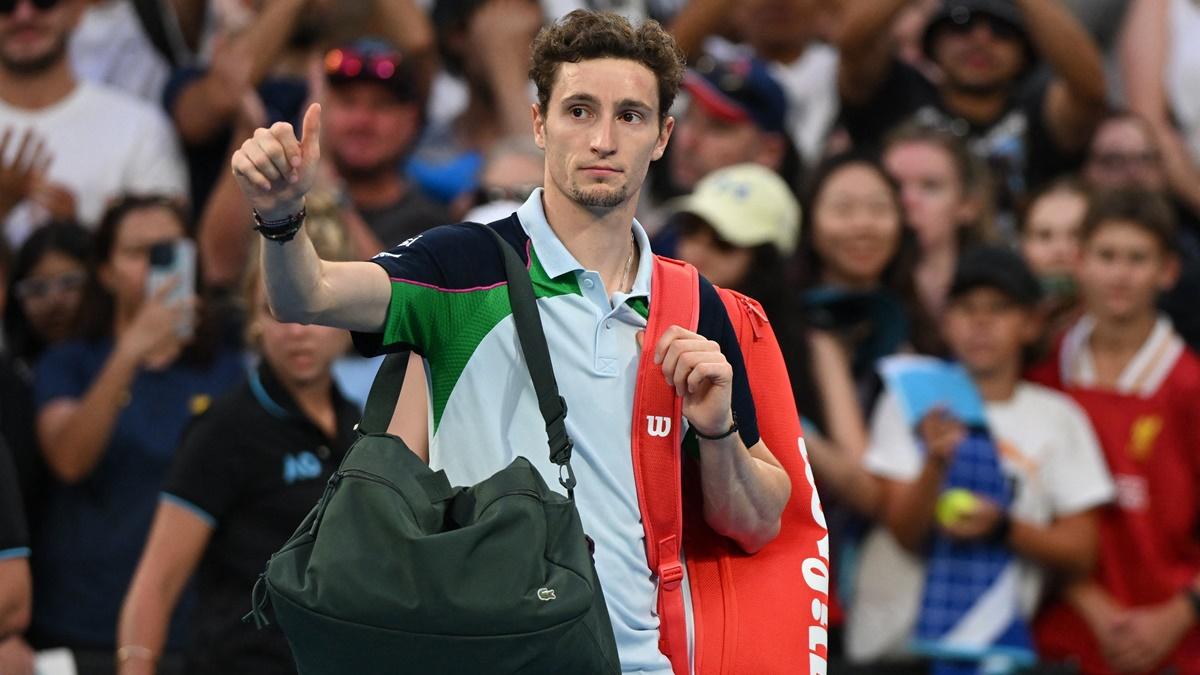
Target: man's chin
(599, 196)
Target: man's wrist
(280, 212)
(719, 432)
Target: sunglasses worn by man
(10, 6)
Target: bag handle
(385, 390)
(537, 358)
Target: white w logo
(658, 426)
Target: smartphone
(176, 260)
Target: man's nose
(604, 139)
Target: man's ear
(771, 151)
(1168, 275)
(1031, 328)
(539, 126)
(664, 136)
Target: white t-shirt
(104, 143)
(1182, 69)
(110, 47)
(1046, 444)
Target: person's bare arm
(837, 457)
(696, 21)
(73, 433)
(745, 489)
(866, 48)
(274, 171)
(502, 31)
(1069, 544)
(1143, 48)
(408, 27)
(208, 105)
(908, 506)
(1076, 98)
(410, 419)
(173, 549)
(16, 597)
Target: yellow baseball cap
(747, 205)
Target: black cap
(999, 268)
(961, 11)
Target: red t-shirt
(1149, 545)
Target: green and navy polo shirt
(450, 304)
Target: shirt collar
(556, 260)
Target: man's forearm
(1067, 47)
(744, 494)
(292, 273)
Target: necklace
(628, 265)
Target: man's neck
(599, 239)
(1122, 337)
(316, 402)
(40, 90)
(975, 107)
(998, 385)
(935, 274)
(378, 191)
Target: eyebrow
(623, 103)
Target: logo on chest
(659, 427)
(1142, 435)
(301, 466)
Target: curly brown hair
(584, 35)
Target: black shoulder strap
(532, 338)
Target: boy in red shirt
(1126, 366)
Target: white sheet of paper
(54, 662)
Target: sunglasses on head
(10, 6)
(967, 21)
(352, 63)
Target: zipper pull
(755, 311)
(330, 486)
(258, 604)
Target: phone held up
(174, 260)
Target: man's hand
(941, 434)
(1142, 637)
(275, 170)
(499, 24)
(19, 175)
(16, 658)
(57, 199)
(977, 523)
(701, 375)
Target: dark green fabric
(395, 571)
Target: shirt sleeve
(14, 539)
(157, 165)
(892, 451)
(1078, 477)
(207, 474)
(440, 280)
(60, 373)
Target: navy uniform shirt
(251, 467)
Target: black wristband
(1003, 528)
(280, 230)
(732, 430)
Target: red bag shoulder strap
(657, 461)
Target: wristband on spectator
(1193, 598)
(129, 652)
(279, 230)
(1003, 528)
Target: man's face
(1122, 270)
(32, 39)
(705, 143)
(367, 128)
(987, 330)
(1123, 155)
(984, 55)
(600, 131)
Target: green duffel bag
(395, 571)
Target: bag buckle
(670, 575)
(566, 476)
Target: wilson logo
(546, 594)
(658, 426)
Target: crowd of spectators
(1011, 185)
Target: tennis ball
(954, 504)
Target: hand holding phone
(174, 262)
